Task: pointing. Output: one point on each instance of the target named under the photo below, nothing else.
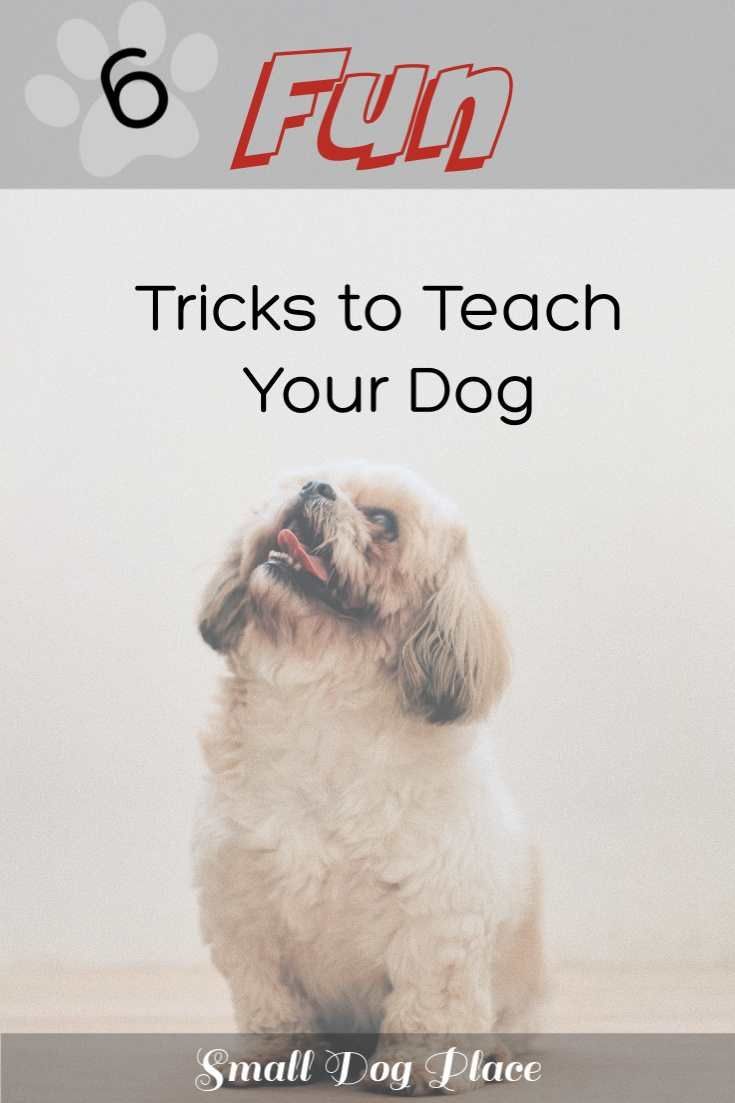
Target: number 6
(113, 92)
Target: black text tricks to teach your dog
(445, 307)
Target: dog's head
(367, 564)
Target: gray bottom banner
(176, 1068)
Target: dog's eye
(385, 520)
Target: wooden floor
(581, 999)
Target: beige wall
(603, 528)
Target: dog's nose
(318, 490)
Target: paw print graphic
(136, 115)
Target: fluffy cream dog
(359, 864)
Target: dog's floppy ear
(222, 615)
(454, 664)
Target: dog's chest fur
(330, 813)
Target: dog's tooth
(283, 557)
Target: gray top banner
(394, 93)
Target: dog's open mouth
(302, 559)
(299, 557)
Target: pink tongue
(289, 542)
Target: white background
(603, 529)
